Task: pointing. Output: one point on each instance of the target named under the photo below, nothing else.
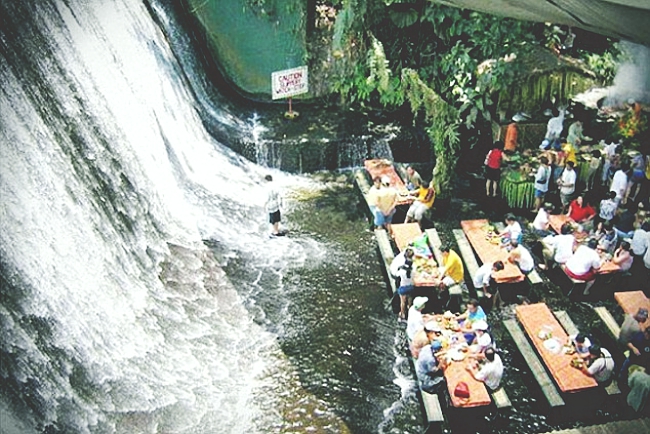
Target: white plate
(457, 356)
(553, 345)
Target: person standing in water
(272, 205)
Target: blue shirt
(428, 370)
(476, 316)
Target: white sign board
(289, 82)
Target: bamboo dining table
(631, 301)
(425, 271)
(456, 372)
(488, 252)
(538, 320)
(379, 167)
(557, 221)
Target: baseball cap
(432, 326)
(419, 302)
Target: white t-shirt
(563, 245)
(541, 220)
(273, 199)
(415, 322)
(568, 177)
(526, 261)
(601, 368)
(640, 242)
(397, 262)
(584, 349)
(491, 373)
(619, 184)
(482, 276)
(514, 230)
(543, 174)
(483, 341)
(583, 260)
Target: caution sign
(289, 82)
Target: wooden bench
(387, 254)
(363, 184)
(609, 321)
(500, 398)
(536, 367)
(467, 253)
(432, 407)
(571, 329)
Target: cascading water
(115, 316)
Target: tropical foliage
(450, 65)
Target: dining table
(425, 267)
(379, 167)
(457, 354)
(557, 221)
(550, 340)
(631, 301)
(487, 246)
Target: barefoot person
(272, 205)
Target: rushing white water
(115, 317)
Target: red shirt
(494, 158)
(579, 213)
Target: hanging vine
(444, 122)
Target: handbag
(461, 390)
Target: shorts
(589, 276)
(540, 193)
(274, 217)
(492, 174)
(565, 198)
(381, 219)
(406, 290)
(416, 211)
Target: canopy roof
(621, 19)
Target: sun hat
(479, 325)
(432, 326)
(419, 302)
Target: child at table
(482, 339)
(581, 343)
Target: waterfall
(115, 316)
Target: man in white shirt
(416, 319)
(584, 264)
(619, 182)
(521, 257)
(541, 222)
(558, 248)
(567, 184)
(482, 281)
(490, 372)
(608, 152)
(641, 240)
(272, 206)
(601, 365)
